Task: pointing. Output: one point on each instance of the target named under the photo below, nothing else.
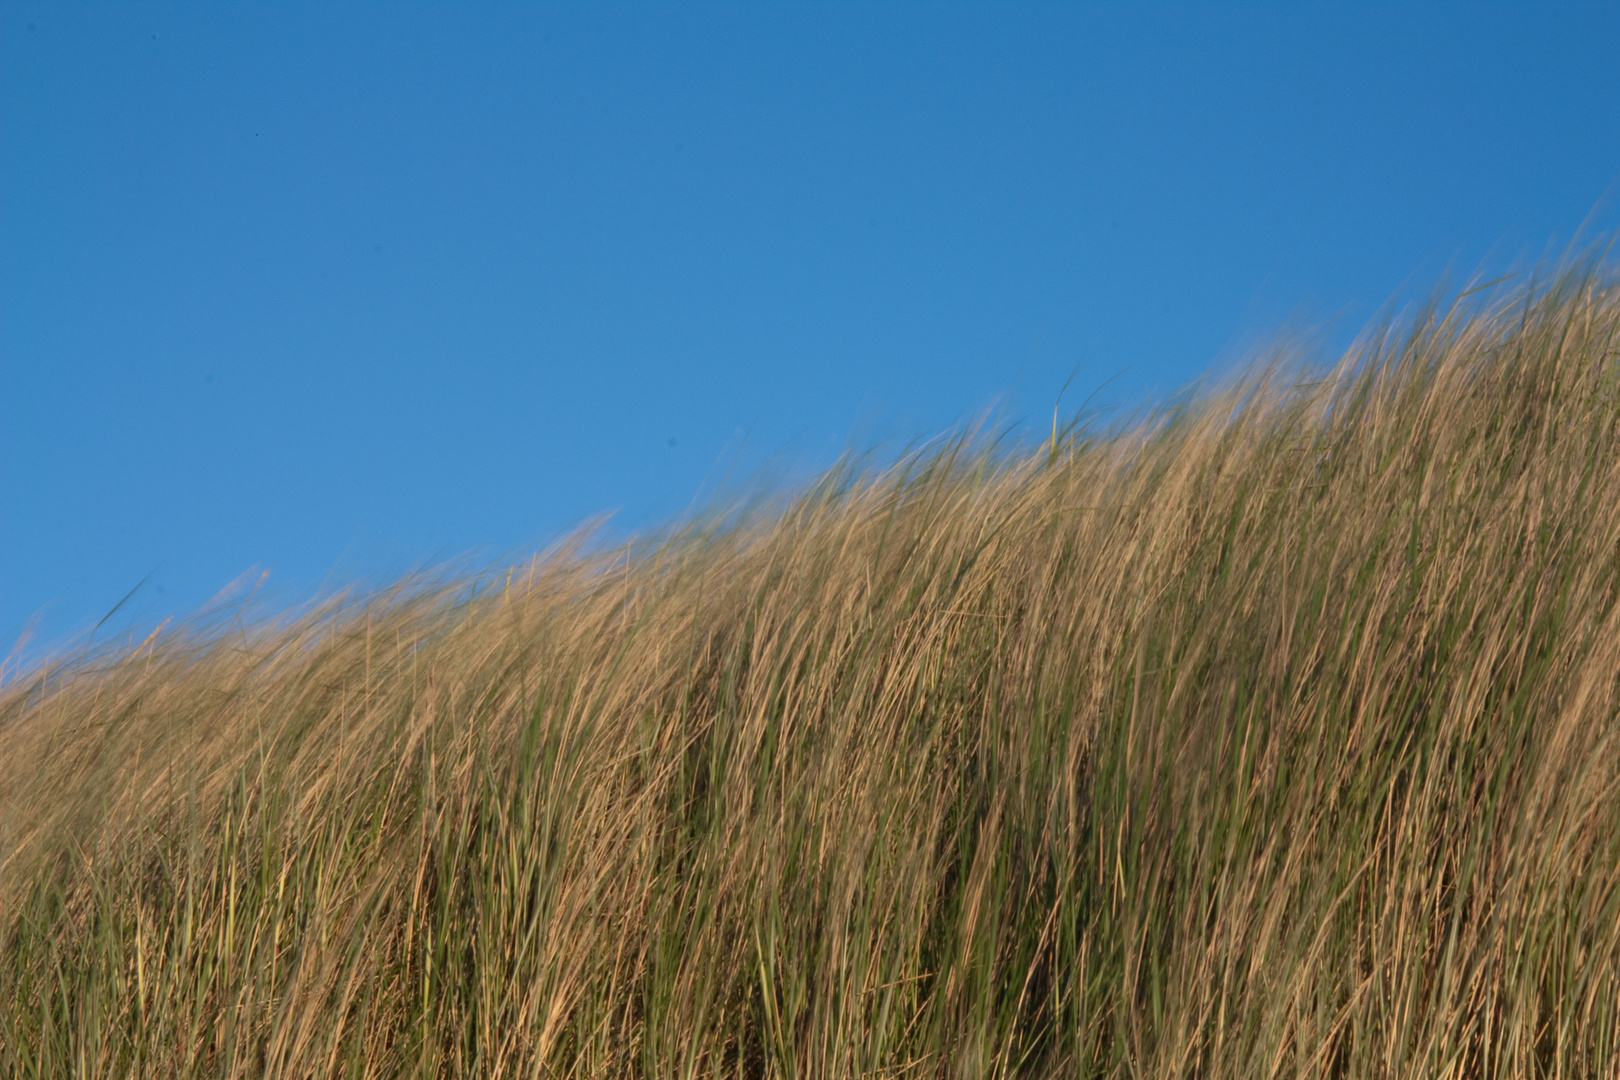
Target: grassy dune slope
(1275, 736)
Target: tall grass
(1275, 735)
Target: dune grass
(1275, 735)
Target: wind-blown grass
(1273, 736)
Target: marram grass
(1274, 736)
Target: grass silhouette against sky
(336, 290)
(1276, 736)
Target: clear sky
(333, 290)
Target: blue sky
(333, 290)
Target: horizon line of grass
(1276, 734)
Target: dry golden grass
(1273, 736)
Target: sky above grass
(332, 291)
